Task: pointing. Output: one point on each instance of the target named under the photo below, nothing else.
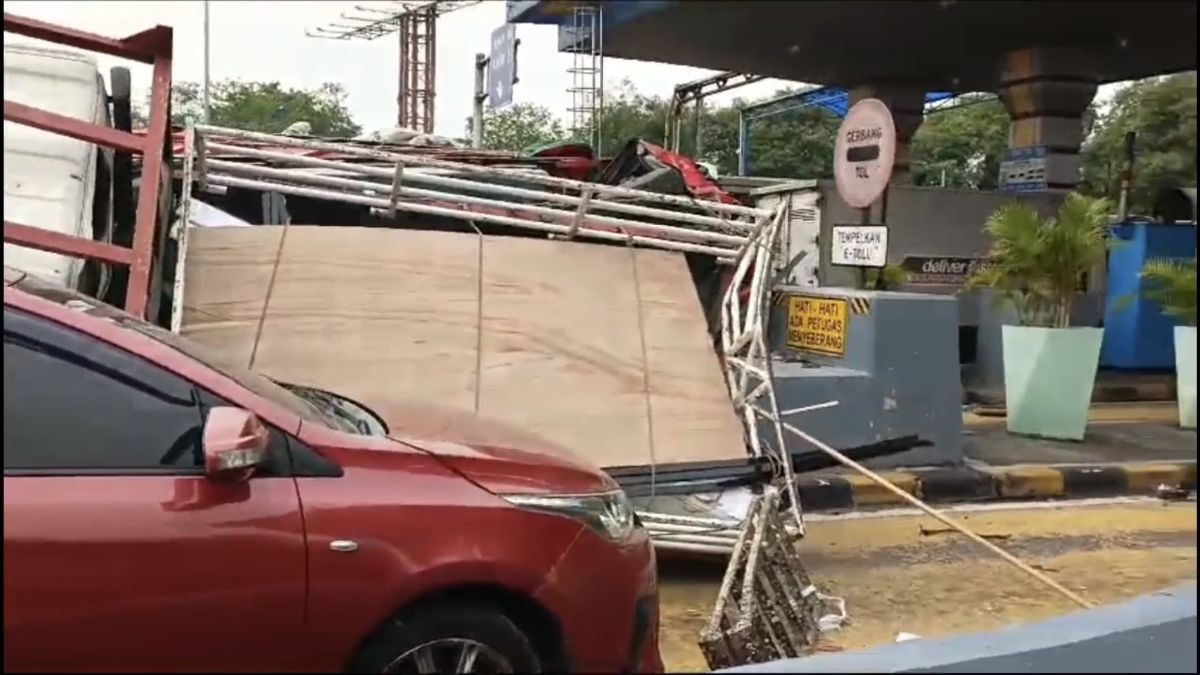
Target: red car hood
(500, 458)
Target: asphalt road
(896, 579)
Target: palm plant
(1172, 284)
(1040, 265)
(888, 278)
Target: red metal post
(69, 126)
(138, 292)
(151, 46)
(65, 244)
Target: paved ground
(1160, 412)
(1110, 386)
(1105, 443)
(894, 578)
(1117, 433)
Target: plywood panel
(227, 271)
(561, 350)
(547, 336)
(691, 415)
(389, 316)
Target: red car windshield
(256, 383)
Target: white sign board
(864, 153)
(859, 245)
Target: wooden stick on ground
(1008, 557)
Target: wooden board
(689, 403)
(562, 352)
(226, 287)
(601, 349)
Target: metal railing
(153, 46)
(423, 184)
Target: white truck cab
(54, 182)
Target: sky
(266, 41)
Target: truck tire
(121, 94)
(124, 207)
(432, 638)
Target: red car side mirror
(234, 442)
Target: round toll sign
(864, 152)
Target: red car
(162, 514)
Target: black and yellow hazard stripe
(860, 306)
(1167, 480)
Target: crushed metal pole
(767, 607)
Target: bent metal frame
(154, 47)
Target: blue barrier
(1137, 335)
(1152, 634)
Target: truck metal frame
(154, 47)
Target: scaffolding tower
(587, 73)
(416, 25)
(418, 68)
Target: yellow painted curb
(1145, 478)
(867, 492)
(1029, 481)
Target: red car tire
(440, 633)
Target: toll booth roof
(948, 44)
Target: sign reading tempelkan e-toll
(864, 152)
(859, 245)
(818, 324)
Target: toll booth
(936, 236)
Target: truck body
(62, 184)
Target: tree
(520, 127)
(797, 143)
(1039, 264)
(961, 147)
(627, 114)
(1162, 112)
(1172, 284)
(266, 107)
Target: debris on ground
(767, 608)
(930, 531)
(1174, 494)
(831, 622)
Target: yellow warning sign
(817, 324)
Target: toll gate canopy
(943, 45)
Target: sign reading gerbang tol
(864, 152)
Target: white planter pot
(1185, 375)
(1049, 374)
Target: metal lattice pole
(416, 28)
(587, 74)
